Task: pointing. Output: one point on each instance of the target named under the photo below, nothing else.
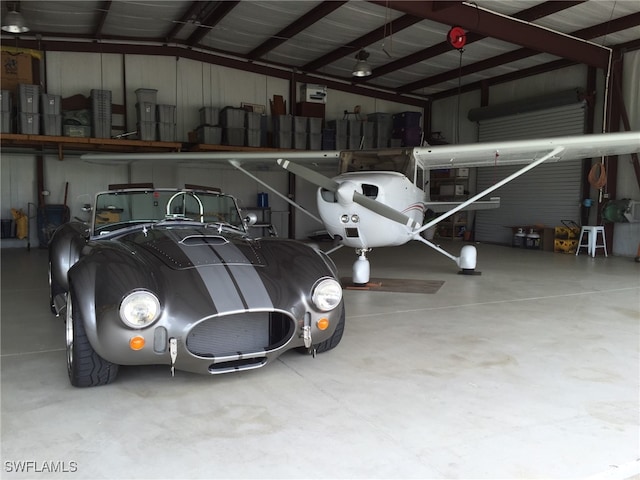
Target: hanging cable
(598, 176)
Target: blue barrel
(263, 200)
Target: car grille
(241, 333)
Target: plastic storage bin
(209, 134)
(300, 124)
(166, 113)
(315, 141)
(282, 123)
(253, 120)
(50, 104)
(5, 101)
(147, 131)
(406, 120)
(146, 95)
(314, 125)
(340, 126)
(282, 139)
(166, 132)
(209, 116)
(51, 124)
(231, 117)
(5, 122)
(233, 136)
(29, 98)
(254, 137)
(29, 123)
(146, 112)
(300, 140)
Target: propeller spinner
(346, 193)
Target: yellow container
(566, 232)
(565, 246)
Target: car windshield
(115, 210)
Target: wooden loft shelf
(58, 145)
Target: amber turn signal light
(136, 343)
(323, 323)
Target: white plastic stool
(591, 242)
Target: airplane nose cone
(344, 194)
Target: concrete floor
(528, 371)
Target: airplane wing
(438, 156)
(443, 206)
(526, 151)
(313, 158)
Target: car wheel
(333, 340)
(85, 367)
(54, 289)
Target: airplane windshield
(115, 210)
(399, 160)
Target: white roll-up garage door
(547, 194)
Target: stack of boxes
(381, 126)
(566, 238)
(340, 127)
(146, 113)
(253, 124)
(101, 113)
(166, 117)
(406, 128)
(300, 133)
(233, 126)
(209, 131)
(51, 114)
(5, 111)
(355, 133)
(282, 131)
(315, 133)
(328, 139)
(29, 112)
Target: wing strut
(236, 164)
(484, 193)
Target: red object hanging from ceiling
(457, 37)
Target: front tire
(85, 367)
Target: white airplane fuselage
(359, 227)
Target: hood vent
(199, 240)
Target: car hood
(182, 248)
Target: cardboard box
(107, 217)
(16, 69)
(462, 173)
(76, 131)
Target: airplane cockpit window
(370, 191)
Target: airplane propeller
(309, 175)
(385, 210)
(357, 197)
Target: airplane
(379, 198)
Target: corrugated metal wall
(546, 195)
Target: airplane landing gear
(467, 260)
(361, 268)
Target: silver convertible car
(170, 276)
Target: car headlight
(139, 309)
(327, 294)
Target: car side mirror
(250, 219)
